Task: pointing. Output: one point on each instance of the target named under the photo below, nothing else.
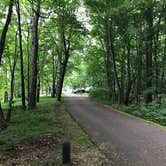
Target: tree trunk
(65, 46)
(32, 101)
(8, 117)
(163, 77)
(156, 44)
(53, 77)
(109, 69)
(123, 73)
(21, 56)
(3, 123)
(112, 55)
(129, 83)
(5, 29)
(38, 90)
(28, 68)
(138, 70)
(61, 80)
(63, 66)
(6, 97)
(149, 41)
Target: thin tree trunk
(109, 77)
(163, 78)
(149, 43)
(8, 117)
(139, 70)
(109, 68)
(21, 56)
(3, 123)
(53, 77)
(112, 55)
(63, 65)
(1, 113)
(28, 67)
(38, 90)
(32, 101)
(156, 43)
(123, 73)
(61, 80)
(5, 29)
(129, 83)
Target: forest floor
(127, 140)
(35, 138)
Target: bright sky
(83, 17)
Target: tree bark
(32, 101)
(149, 44)
(5, 29)
(112, 55)
(129, 83)
(109, 69)
(156, 44)
(123, 73)
(28, 68)
(8, 116)
(138, 69)
(21, 56)
(63, 65)
(38, 90)
(3, 123)
(53, 77)
(1, 113)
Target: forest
(115, 47)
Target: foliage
(29, 127)
(152, 113)
(99, 94)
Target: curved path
(127, 141)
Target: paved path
(127, 141)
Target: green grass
(79, 139)
(83, 94)
(151, 113)
(29, 126)
(49, 119)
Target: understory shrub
(99, 94)
(152, 113)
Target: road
(125, 140)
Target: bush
(99, 94)
(149, 113)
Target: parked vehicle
(88, 89)
(77, 91)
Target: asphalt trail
(125, 140)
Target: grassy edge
(80, 126)
(83, 128)
(77, 127)
(129, 115)
(125, 113)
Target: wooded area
(119, 45)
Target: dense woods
(132, 36)
(112, 44)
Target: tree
(5, 29)
(21, 55)
(12, 70)
(149, 47)
(35, 45)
